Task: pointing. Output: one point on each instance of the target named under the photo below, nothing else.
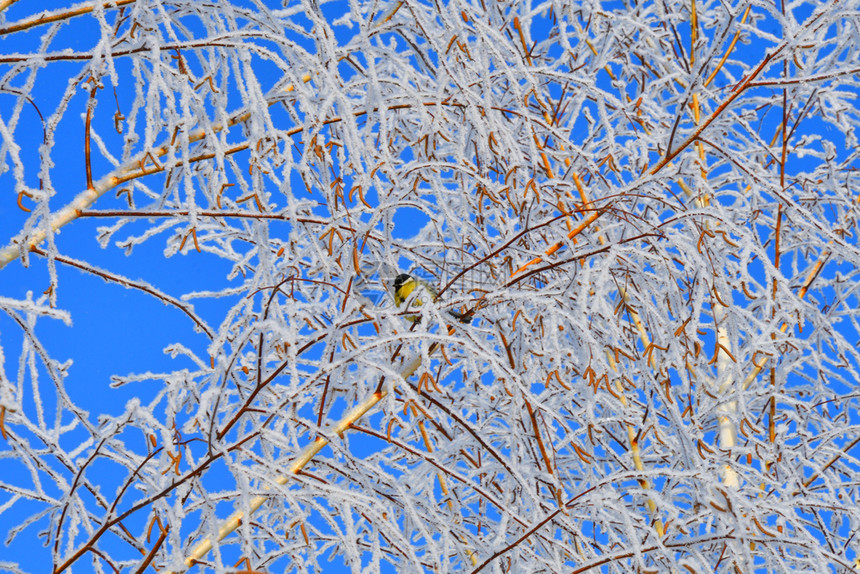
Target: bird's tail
(462, 317)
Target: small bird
(408, 289)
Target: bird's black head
(400, 280)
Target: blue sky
(114, 330)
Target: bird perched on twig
(413, 292)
